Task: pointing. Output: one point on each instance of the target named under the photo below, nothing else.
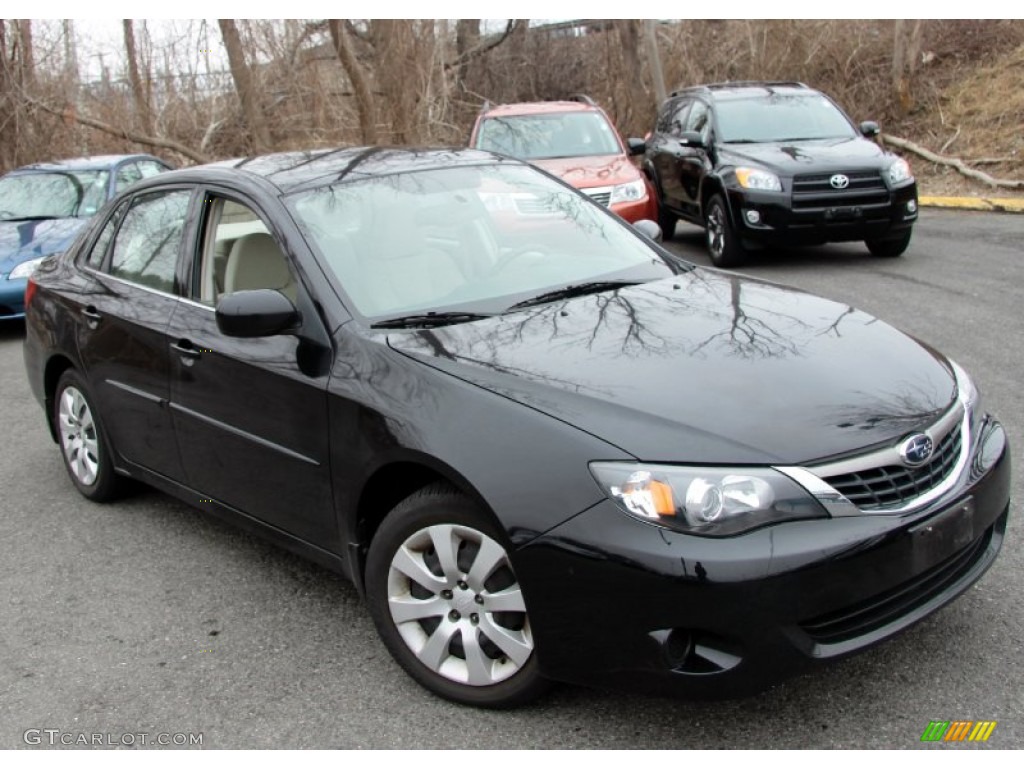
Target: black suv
(770, 163)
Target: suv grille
(814, 190)
(880, 488)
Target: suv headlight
(708, 501)
(25, 269)
(628, 193)
(756, 178)
(899, 171)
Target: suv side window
(677, 121)
(147, 245)
(95, 257)
(699, 118)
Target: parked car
(778, 164)
(575, 141)
(542, 447)
(43, 207)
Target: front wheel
(724, 246)
(447, 603)
(83, 445)
(889, 248)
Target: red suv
(575, 141)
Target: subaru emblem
(916, 450)
(839, 181)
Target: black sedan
(542, 447)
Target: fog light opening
(752, 217)
(912, 206)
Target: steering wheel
(530, 249)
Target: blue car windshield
(52, 194)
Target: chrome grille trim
(602, 195)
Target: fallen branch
(952, 162)
(67, 113)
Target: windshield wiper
(429, 320)
(30, 218)
(571, 291)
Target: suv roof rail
(582, 98)
(741, 84)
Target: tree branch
(483, 48)
(952, 162)
(68, 113)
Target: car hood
(704, 367)
(24, 240)
(808, 156)
(596, 171)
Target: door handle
(91, 314)
(184, 347)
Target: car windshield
(536, 137)
(468, 238)
(781, 117)
(52, 194)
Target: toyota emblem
(916, 450)
(839, 181)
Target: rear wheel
(446, 602)
(889, 248)
(724, 247)
(83, 445)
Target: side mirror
(870, 129)
(692, 139)
(257, 313)
(648, 229)
(636, 146)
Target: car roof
(746, 90)
(92, 162)
(538, 108)
(289, 171)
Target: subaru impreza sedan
(543, 448)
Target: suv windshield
(52, 194)
(470, 238)
(779, 117)
(536, 137)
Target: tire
(889, 249)
(667, 221)
(724, 246)
(431, 624)
(82, 440)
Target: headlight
(628, 193)
(25, 269)
(709, 501)
(899, 171)
(755, 178)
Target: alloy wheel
(78, 436)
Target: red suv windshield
(560, 134)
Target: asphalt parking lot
(146, 617)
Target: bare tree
(906, 51)
(364, 97)
(139, 90)
(242, 76)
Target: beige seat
(255, 261)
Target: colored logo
(917, 450)
(958, 730)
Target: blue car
(44, 206)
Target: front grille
(859, 619)
(880, 488)
(604, 198)
(814, 190)
(535, 206)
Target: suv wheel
(889, 248)
(724, 247)
(446, 602)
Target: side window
(698, 118)
(239, 254)
(148, 168)
(94, 258)
(127, 175)
(678, 119)
(147, 245)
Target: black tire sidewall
(106, 483)
(435, 505)
(732, 250)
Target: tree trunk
(259, 136)
(906, 50)
(26, 61)
(654, 57)
(364, 97)
(467, 37)
(138, 90)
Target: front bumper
(12, 298)
(618, 602)
(781, 223)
